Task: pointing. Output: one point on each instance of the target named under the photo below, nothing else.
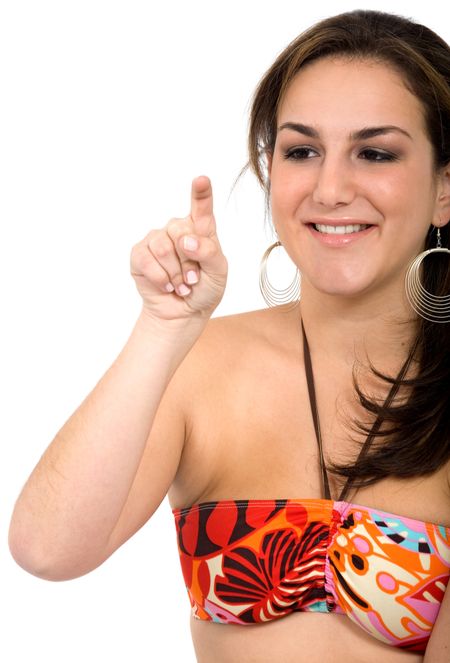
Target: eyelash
(292, 154)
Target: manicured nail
(191, 277)
(169, 287)
(190, 243)
(183, 290)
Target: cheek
(388, 196)
(288, 189)
(393, 189)
(402, 198)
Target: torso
(250, 435)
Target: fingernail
(183, 290)
(169, 287)
(191, 276)
(190, 243)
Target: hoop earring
(434, 308)
(275, 296)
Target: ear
(442, 212)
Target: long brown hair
(416, 431)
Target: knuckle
(189, 265)
(144, 264)
(176, 277)
(210, 250)
(173, 224)
(138, 255)
(155, 275)
(161, 247)
(157, 240)
(177, 227)
(154, 272)
(150, 237)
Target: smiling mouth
(340, 230)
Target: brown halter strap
(376, 425)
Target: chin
(345, 288)
(340, 274)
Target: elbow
(35, 566)
(28, 559)
(34, 560)
(43, 561)
(53, 552)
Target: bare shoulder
(231, 348)
(230, 337)
(228, 383)
(234, 328)
(223, 344)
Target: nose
(334, 183)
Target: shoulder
(232, 336)
(235, 346)
(270, 325)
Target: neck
(340, 330)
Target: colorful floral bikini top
(253, 561)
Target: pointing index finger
(201, 200)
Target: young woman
(305, 448)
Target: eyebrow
(361, 134)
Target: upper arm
(158, 465)
(438, 648)
(169, 439)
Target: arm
(64, 518)
(112, 462)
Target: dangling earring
(274, 296)
(434, 308)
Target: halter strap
(373, 431)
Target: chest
(255, 439)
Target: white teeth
(339, 230)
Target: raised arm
(67, 518)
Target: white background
(108, 109)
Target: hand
(180, 270)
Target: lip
(339, 240)
(344, 221)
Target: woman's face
(321, 173)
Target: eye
(375, 155)
(301, 153)
(297, 153)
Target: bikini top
(253, 561)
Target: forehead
(337, 92)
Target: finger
(202, 212)
(205, 251)
(181, 270)
(144, 264)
